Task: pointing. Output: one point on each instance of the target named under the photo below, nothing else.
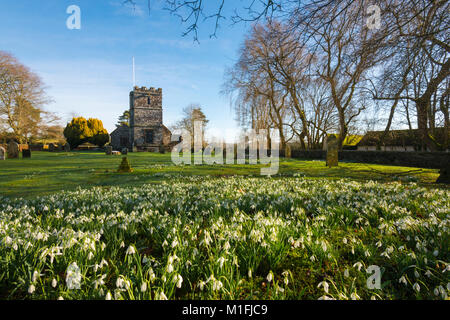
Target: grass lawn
(47, 172)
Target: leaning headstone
(108, 150)
(444, 176)
(2, 153)
(13, 150)
(332, 151)
(125, 151)
(26, 153)
(287, 151)
(67, 147)
(125, 166)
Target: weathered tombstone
(67, 147)
(332, 151)
(162, 149)
(125, 151)
(287, 151)
(51, 147)
(26, 153)
(444, 176)
(2, 153)
(108, 150)
(13, 150)
(60, 147)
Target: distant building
(146, 131)
(396, 140)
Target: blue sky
(88, 72)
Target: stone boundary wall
(430, 160)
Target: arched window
(148, 100)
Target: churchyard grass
(48, 172)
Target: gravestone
(287, 151)
(13, 150)
(108, 150)
(67, 147)
(125, 151)
(332, 151)
(444, 176)
(59, 147)
(2, 153)
(51, 147)
(26, 153)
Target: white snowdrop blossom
(73, 276)
(325, 286)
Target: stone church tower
(146, 131)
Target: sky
(88, 72)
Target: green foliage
(124, 119)
(80, 130)
(77, 132)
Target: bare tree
(21, 98)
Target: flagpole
(134, 74)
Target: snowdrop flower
(90, 255)
(31, 289)
(217, 285)
(54, 283)
(60, 298)
(161, 296)
(403, 280)
(416, 287)
(201, 285)
(221, 261)
(270, 277)
(179, 280)
(416, 274)
(249, 272)
(354, 296)
(226, 246)
(108, 296)
(174, 243)
(436, 291)
(130, 250)
(144, 286)
(73, 276)
(346, 273)
(165, 243)
(326, 298)
(35, 276)
(312, 258)
(358, 265)
(122, 244)
(435, 253)
(325, 286)
(169, 268)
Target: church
(146, 131)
